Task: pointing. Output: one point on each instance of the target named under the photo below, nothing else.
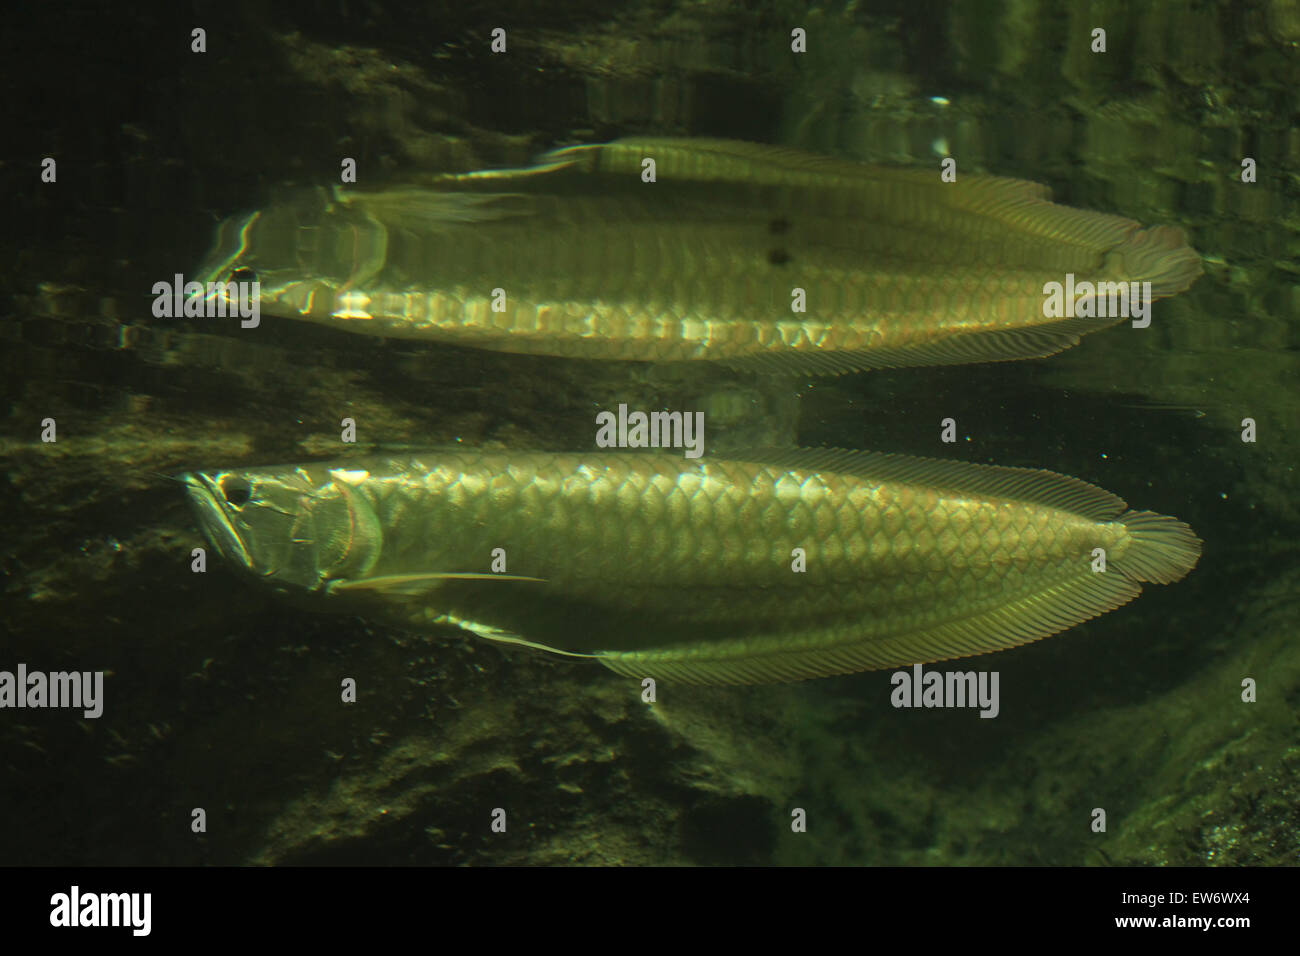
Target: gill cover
(349, 540)
(280, 526)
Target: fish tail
(1164, 549)
(1159, 255)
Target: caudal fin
(1164, 549)
(1159, 255)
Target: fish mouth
(216, 517)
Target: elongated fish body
(578, 256)
(778, 566)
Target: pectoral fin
(414, 585)
(491, 633)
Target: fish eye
(243, 274)
(236, 490)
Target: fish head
(300, 251)
(298, 529)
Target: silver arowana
(578, 256)
(670, 568)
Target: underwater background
(219, 695)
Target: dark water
(219, 696)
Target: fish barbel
(690, 570)
(577, 256)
